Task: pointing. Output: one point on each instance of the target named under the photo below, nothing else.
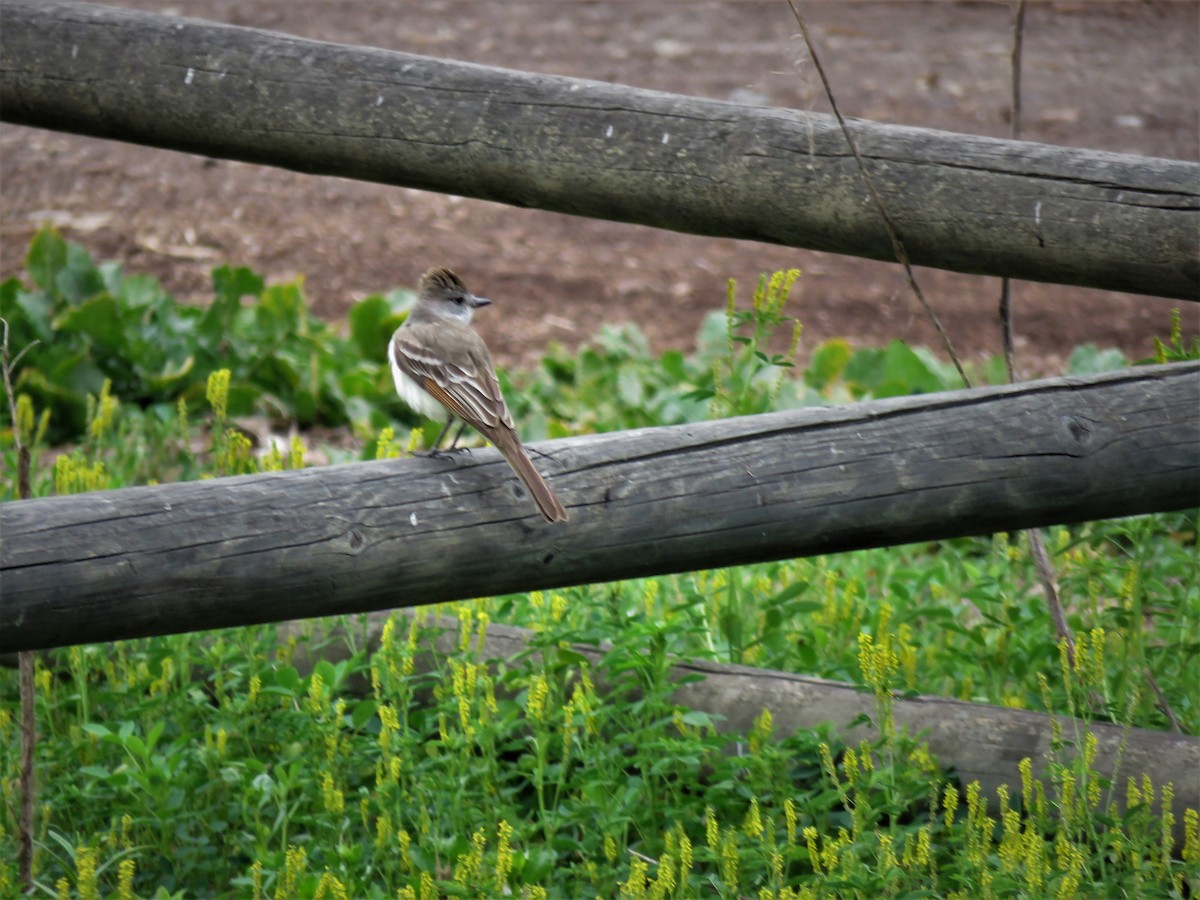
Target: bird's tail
(510, 448)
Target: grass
(216, 764)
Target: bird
(441, 367)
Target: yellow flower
(217, 392)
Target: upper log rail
(965, 203)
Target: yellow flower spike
(86, 881)
(1168, 828)
(1035, 861)
(753, 826)
(865, 760)
(273, 460)
(330, 886)
(635, 885)
(712, 831)
(24, 423)
(403, 842)
(649, 598)
(535, 704)
(685, 856)
(664, 882)
(850, 766)
(316, 694)
(504, 854)
(296, 453)
(789, 817)
(558, 607)
(256, 879)
(810, 841)
(760, 733)
(332, 798)
(729, 860)
(254, 689)
(428, 889)
(384, 831)
(105, 407)
(217, 392)
(385, 444)
(126, 870)
(886, 854)
(482, 620)
(610, 849)
(1191, 837)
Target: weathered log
(352, 538)
(979, 741)
(961, 202)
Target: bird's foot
(448, 453)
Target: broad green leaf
(367, 318)
(79, 277)
(98, 318)
(29, 315)
(827, 363)
(46, 258)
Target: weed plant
(214, 764)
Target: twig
(25, 657)
(1037, 545)
(889, 226)
(1006, 318)
(1163, 704)
(1041, 561)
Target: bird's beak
(477, 302)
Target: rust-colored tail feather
(510, 448)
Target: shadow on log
(960, 202)
(353, 538)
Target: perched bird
(443, 368)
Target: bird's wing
(452, 365)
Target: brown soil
(1119, 76)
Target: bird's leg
(437, 453)
(454, 448)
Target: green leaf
(47, 257)
(367, 328)
(280, 311)
(229, 287)
(79, 277)
(29, 315)
(1089, 359)
(98, 318)
(164, 383)
(827, 363)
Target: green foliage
(210, 764)
(94, 323)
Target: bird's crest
(441, 279)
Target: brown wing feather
(456, 372)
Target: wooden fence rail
(965, 203)
(364, 536)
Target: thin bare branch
(888, 224)
(1006, 315)
(1163, 705)
(25, 657)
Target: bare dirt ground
(1121, 76)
